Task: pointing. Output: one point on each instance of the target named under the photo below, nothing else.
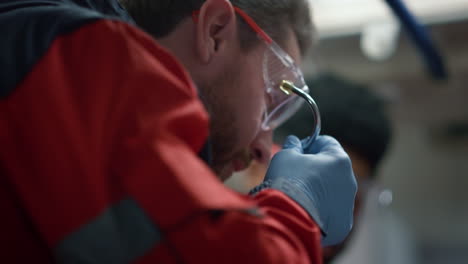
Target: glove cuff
(296, 192)
(264, 185)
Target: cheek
(249, 121)
(253, 103)
(250, 97)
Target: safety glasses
(284, 82)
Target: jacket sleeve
(100, 147)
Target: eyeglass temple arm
(288, 88)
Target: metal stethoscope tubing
(288, 87)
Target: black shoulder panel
(28, 28)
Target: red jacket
(99, 164)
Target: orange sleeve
(107, 127)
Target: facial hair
(223, 129)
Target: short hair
(275, 17)
(350, 112)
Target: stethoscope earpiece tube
(288, 88)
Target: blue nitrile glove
(319, 178)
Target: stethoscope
(288, 88)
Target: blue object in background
(421, 38)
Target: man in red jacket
(101, 131)
(230, 75)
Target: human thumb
(293, 142)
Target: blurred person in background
(351, 113)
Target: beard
(223, 129)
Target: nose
(260, 148)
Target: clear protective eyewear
(284, 82)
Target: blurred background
(418, 210)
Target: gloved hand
(319, 178)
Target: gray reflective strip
(254, 211)
(119, 235)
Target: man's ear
(216, 27)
